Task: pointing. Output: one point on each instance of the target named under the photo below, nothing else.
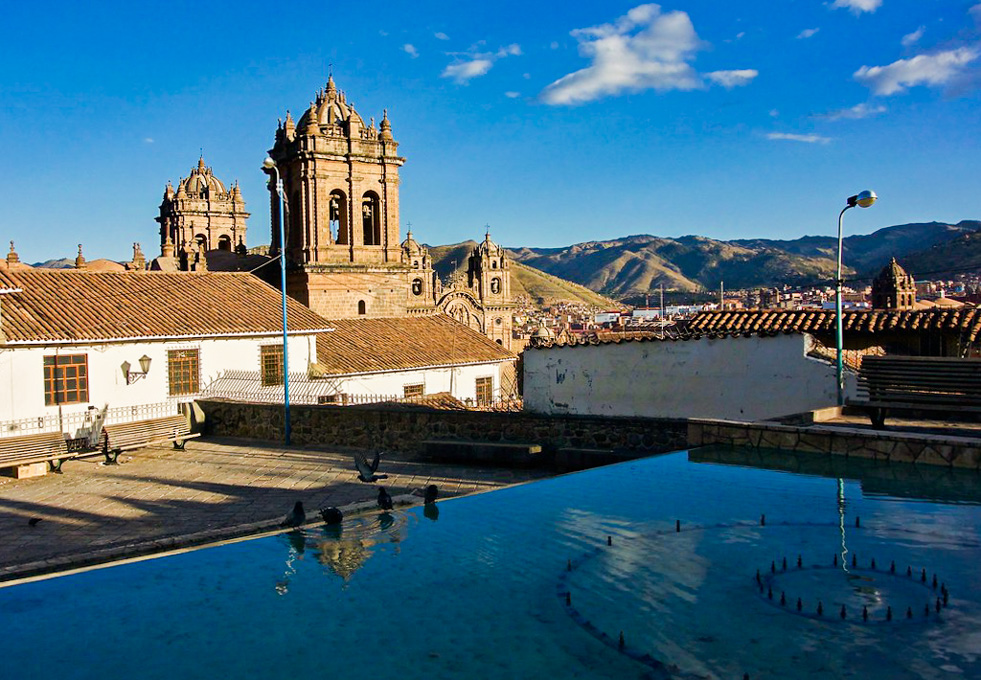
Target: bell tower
(340, 176)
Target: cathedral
(343, 253)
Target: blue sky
(553, 122)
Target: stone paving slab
(160, 498)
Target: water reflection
(343, 548)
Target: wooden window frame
(182, 383)
(414, 390)
(66, 379)
(485, 385)
(271, 365)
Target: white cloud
(976, 12)
(933, 70)
(512, 95)
(463, 71)
(740, 35)
(526, 76)
(441, 36)
(475, 64)
(644, 49)
(731, 79)
(774, 113)
(858, 6)
(913, 37)
(810, 139)
(410, 49)
(554, 45)
(807, 33)
(856, 112)
(148, 140)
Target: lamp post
(269, 166)
(862, 200)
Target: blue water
(481, 590)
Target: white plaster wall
(731, 378)
(461, 381)
(22, 371)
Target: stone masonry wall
(404, 429)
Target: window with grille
(485, 391)
(183, 371)
(272, 365)
(413, 390)
(66, 379)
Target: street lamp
(862, 200)
(269, 166)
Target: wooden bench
(140, 433)
(46, 447)
(899, 383)
(506, 454)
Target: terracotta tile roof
(77, 305)
(375, 345)
(965, 320)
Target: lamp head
(866, 199)
(145, 363)
(268, 163)
(862, 200)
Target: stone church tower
(483, 301)
(341, 179)
(893, 288)
(201, 215)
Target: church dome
(893, 288)
(201, 181)
(410, 245)
(330, 108)
(488, 247)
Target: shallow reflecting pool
(711, 564)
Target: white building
(737, 378)
(414, 357)
(138, 342)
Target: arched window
(417, 286)
(202, 242)
(493, 264)
(225, 243)
(371, 219)
(362, 308)
(495, 285)
(338, 217)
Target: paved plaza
(160, 498)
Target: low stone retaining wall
(903, 447)
(404, 429)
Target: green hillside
(541, 288)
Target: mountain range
(637, 265)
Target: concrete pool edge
(27, 572)
(901, 447)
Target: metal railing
(77, 423)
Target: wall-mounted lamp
(133, 376)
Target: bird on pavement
(331, 515)
(430, 493)
(33, 521)
(294, 517)
(384, 500)
(366, 471)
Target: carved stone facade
(483, 300)
(341, 181)
(893, 288)
(201, 215)
(343, 254)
